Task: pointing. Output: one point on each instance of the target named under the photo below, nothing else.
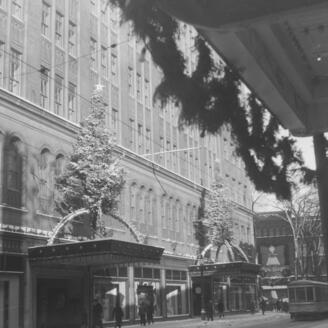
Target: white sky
(306, 145)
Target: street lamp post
(202, 295)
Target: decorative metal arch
(229, 246)
(71, 216)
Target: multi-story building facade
(52, 54)
(275, 247)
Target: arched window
(168, 213)
(149, 207)
(46, 183)
(163, 210)
(60, 164)
(13, 165)
(132, 199)
(174, 215)
(187, 218)
(141, 205)
(180, 219)
(154, 211)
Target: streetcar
(308, 298)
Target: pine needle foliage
(210, 97)
(93, 177)
(218, 215)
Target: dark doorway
(60, 303)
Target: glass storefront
(110, 292)
(176, 292)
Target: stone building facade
(52, 54)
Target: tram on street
(307, 298)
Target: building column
(163, 294)
(132, 312)
(29, 300)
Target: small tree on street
(302, 213)
(93, 177)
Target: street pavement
(257, 320)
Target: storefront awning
(232, 268)
(94, 253)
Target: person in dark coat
(97, 314)
(209, 311)
(142, 314)
(263, 305)
(221, 309)
(118, 316)
(150, 314)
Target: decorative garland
(210, 98)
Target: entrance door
(9, 302)
(60, 303)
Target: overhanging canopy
(240, 268)
(94, 253)
(279, 47)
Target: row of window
(142, 86)
(70, 110)
(17, 7)
(10, 78)
(273, 232)
(48, 167)
(59, 35)
(174, 215)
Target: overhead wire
(123, 123)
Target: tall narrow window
(114, 68)
(2, 62)
(46, 182)
(59, 29)
(104, 61)
(72, 37)
(72, 102)
(59, 95)
(15, 71)
(131, 81)
(140, 135)
(45, 20)
(13, 176)
(132, 133)
(93, 54)
(132, 199)
(17, 8)
(148, 141)
(93, 6)
(44, 91)
(139, 86)
(147, 93)
(115, 121)
(3, 4)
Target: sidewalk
(197, 323)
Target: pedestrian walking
(209, 310)
(263, 305)
(150, 314)
(142, 314)
(118, 316)
(221, 309)
(278, 305)
(97, 314)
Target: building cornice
(37, 113)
